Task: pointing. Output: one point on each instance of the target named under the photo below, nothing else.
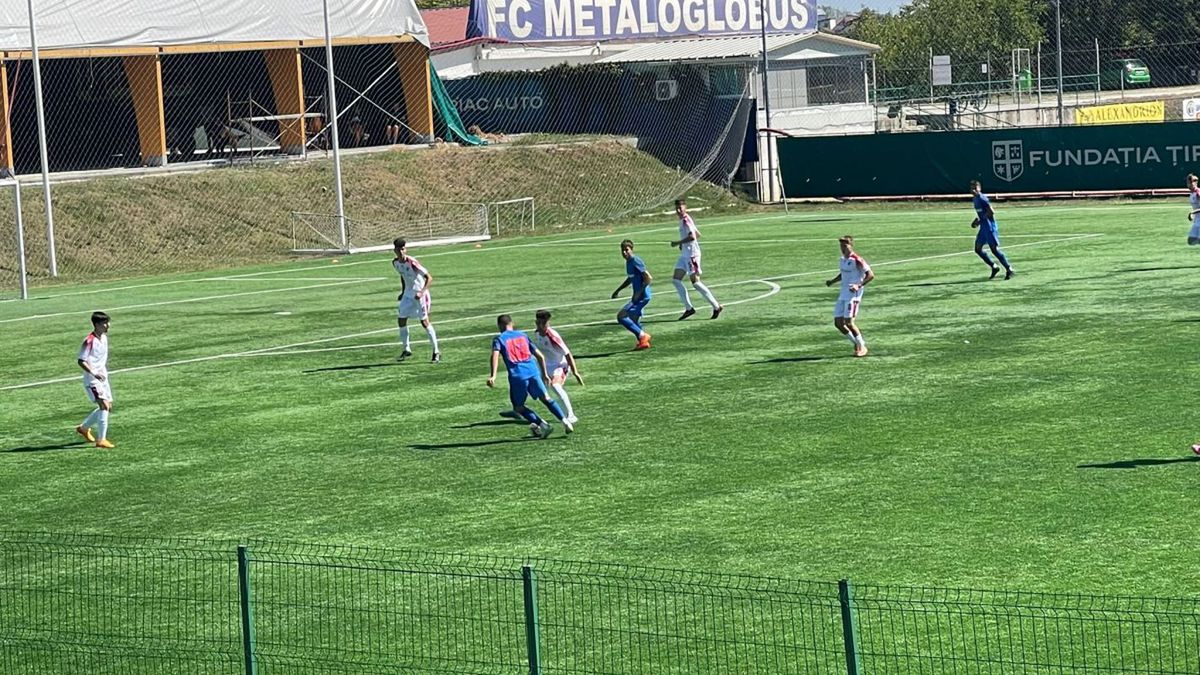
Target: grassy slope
(118, 227)
(748, 444)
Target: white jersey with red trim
(94, 353)
(687, 227)
(412, 274)
(553, 347)
(854, 269)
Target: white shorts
(1194, 233)
(97, 390)
(413, 308)
(846, 306)
(688, 262)
(559, 373)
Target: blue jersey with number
(982, 206)
(635, 269)
(517, 351)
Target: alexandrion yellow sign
(1121, 113)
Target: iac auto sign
(543, 20)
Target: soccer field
(1024, 434)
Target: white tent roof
(63, 24)
(792, 47)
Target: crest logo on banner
(1008, 160)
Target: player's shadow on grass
(472, 444)
(946, 283)
(1135, 463)
(73, 445)
(490, 423)
(798, 359)
(361, 366)
(1172, 268)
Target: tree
(971, 32)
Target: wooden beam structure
(287, 81)
(412, 58)
(144, 74)
(6, 152)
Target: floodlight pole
(1058, 37)
(41, 120)
(766, 91)
(331, 83)
(21, 270)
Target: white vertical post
(766, 91)
(21, 270)
(331, 83)
(1058, 36)
(41, 120)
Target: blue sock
(1001, 258)
(531, 416)
(631, 326)
(985, 257)
(555, 408)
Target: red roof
(446, 25)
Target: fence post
(531, 620)
(247, 610)
(849, 627)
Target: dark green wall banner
(1045, 159)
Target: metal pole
(1058, 37)
(766, 88)
(24, 283)
(344, 237)
(41, 120)
(1097, 98)
(1039, 76)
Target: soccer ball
(535, 430)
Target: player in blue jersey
(636, 276)
(527, 376)
(985, 220)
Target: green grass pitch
(1029, 434)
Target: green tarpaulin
(449, 114)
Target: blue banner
(592, 20)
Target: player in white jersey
(560, 364)
(1194, 199)
(689, 263)
(855, 274)
(413, 302)
(93, 359)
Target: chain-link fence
(98, 605)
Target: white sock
(432, 338)
(850, 337)
(564, 399)
(90, 420)
(683, 293)
(102, 427)
(404, 338)
(707, 294)
(857, 340)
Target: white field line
(279, 348)
(712, 223)
(291, 348)
(297, 279)
(704, 241)
(772, 289)
(187, 300)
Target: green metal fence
(104, 605)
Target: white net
(246, 134)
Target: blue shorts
(987, 236)
(634, 309)
(521, 388)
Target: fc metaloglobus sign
(552, 20)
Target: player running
(559, 361)
(526, 376)
(637, 276)
(1194, 199)
(689, 263)
(855, 274)
(93, 359)
(413, 301)
(988, 233)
